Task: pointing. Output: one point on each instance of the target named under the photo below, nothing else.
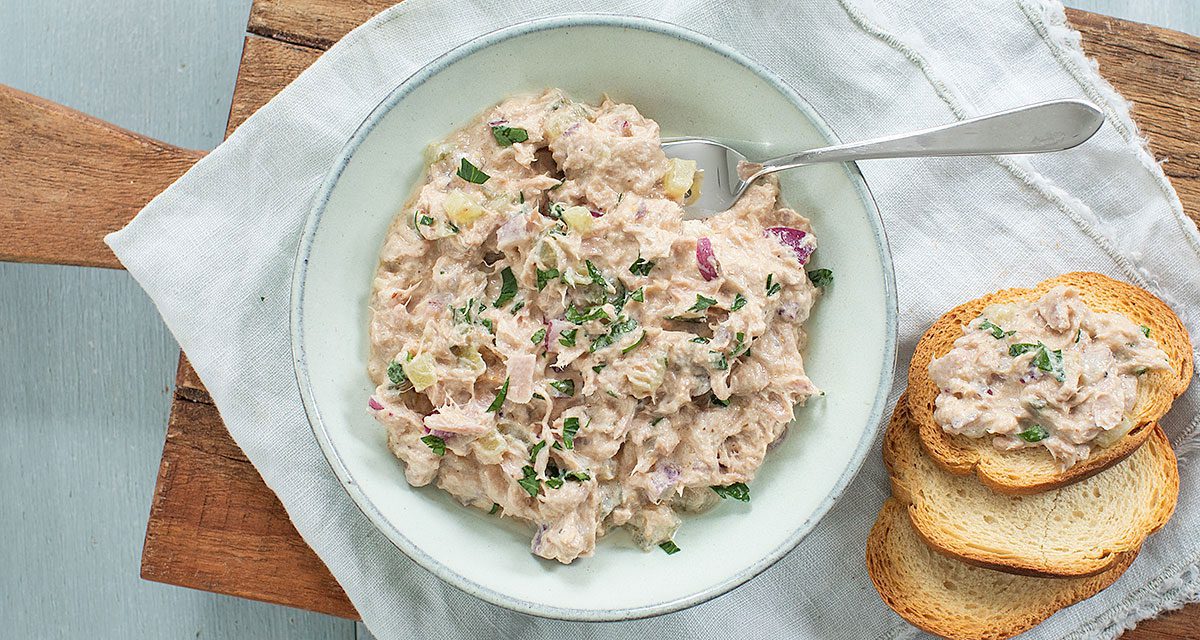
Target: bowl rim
(342, 471)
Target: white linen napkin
(215, 254)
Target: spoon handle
(1036, 128)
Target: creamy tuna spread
(1051, 373)
(553, 342)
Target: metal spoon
(1036, 128)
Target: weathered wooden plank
(235, 519)
(67, 179)
(267, 67)
(1159, 71)
(314, 23)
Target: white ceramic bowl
(692, 86)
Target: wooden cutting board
(67, 179)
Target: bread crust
(954, 600)
(1034, 470)
(934, 503)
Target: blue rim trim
(300, 271)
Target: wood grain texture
(200, 539)
(314, 23)
(267, 66)
(1163, 85)
(67, 180)
(234, 513)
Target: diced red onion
(662, 479)
(511, 232)
(438, 432)
(571, 129)
(800, 242)
(706, 259)
(496, 123)
(778, 441)
(595, 213)
(374, 404)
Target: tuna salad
(553, 342)
(1049, 373)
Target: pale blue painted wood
(86, 365)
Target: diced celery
(679, 177)
(421, 371)
(461, 209)
(578, 219)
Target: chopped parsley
(1036, 433)
(772, 287)
(821, 277)
(544, 277)
(471, 173)
(1078, 334)
(739, 346)
(538, 336)
(506, 136)
(719, 402)
(1145, 330)
(577, 476)
(508, 287)
(564, 387)
(468, 313)
(1044, 358)
(395, 373)
(487, 322)
(567, 338)
(598, 367)
(700, 340)
(995, 330)
(577, 316)
(501, 394)
(570, 428)
(615, 331)
(555, 210)
(435, 444)
(639, 295)
(670, 547)
(702, 303)
(529, 481)
(495, 508)
(594, 273)
(720, 363)
(641, 339)
(737, 491)
(537, 448)
(517, 306)
(425, 221)
(641, 267)
(554, 482)
(1021, 349)
(739, 301)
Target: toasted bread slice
(1034, 470)
(956, 600)
(1081, 529)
